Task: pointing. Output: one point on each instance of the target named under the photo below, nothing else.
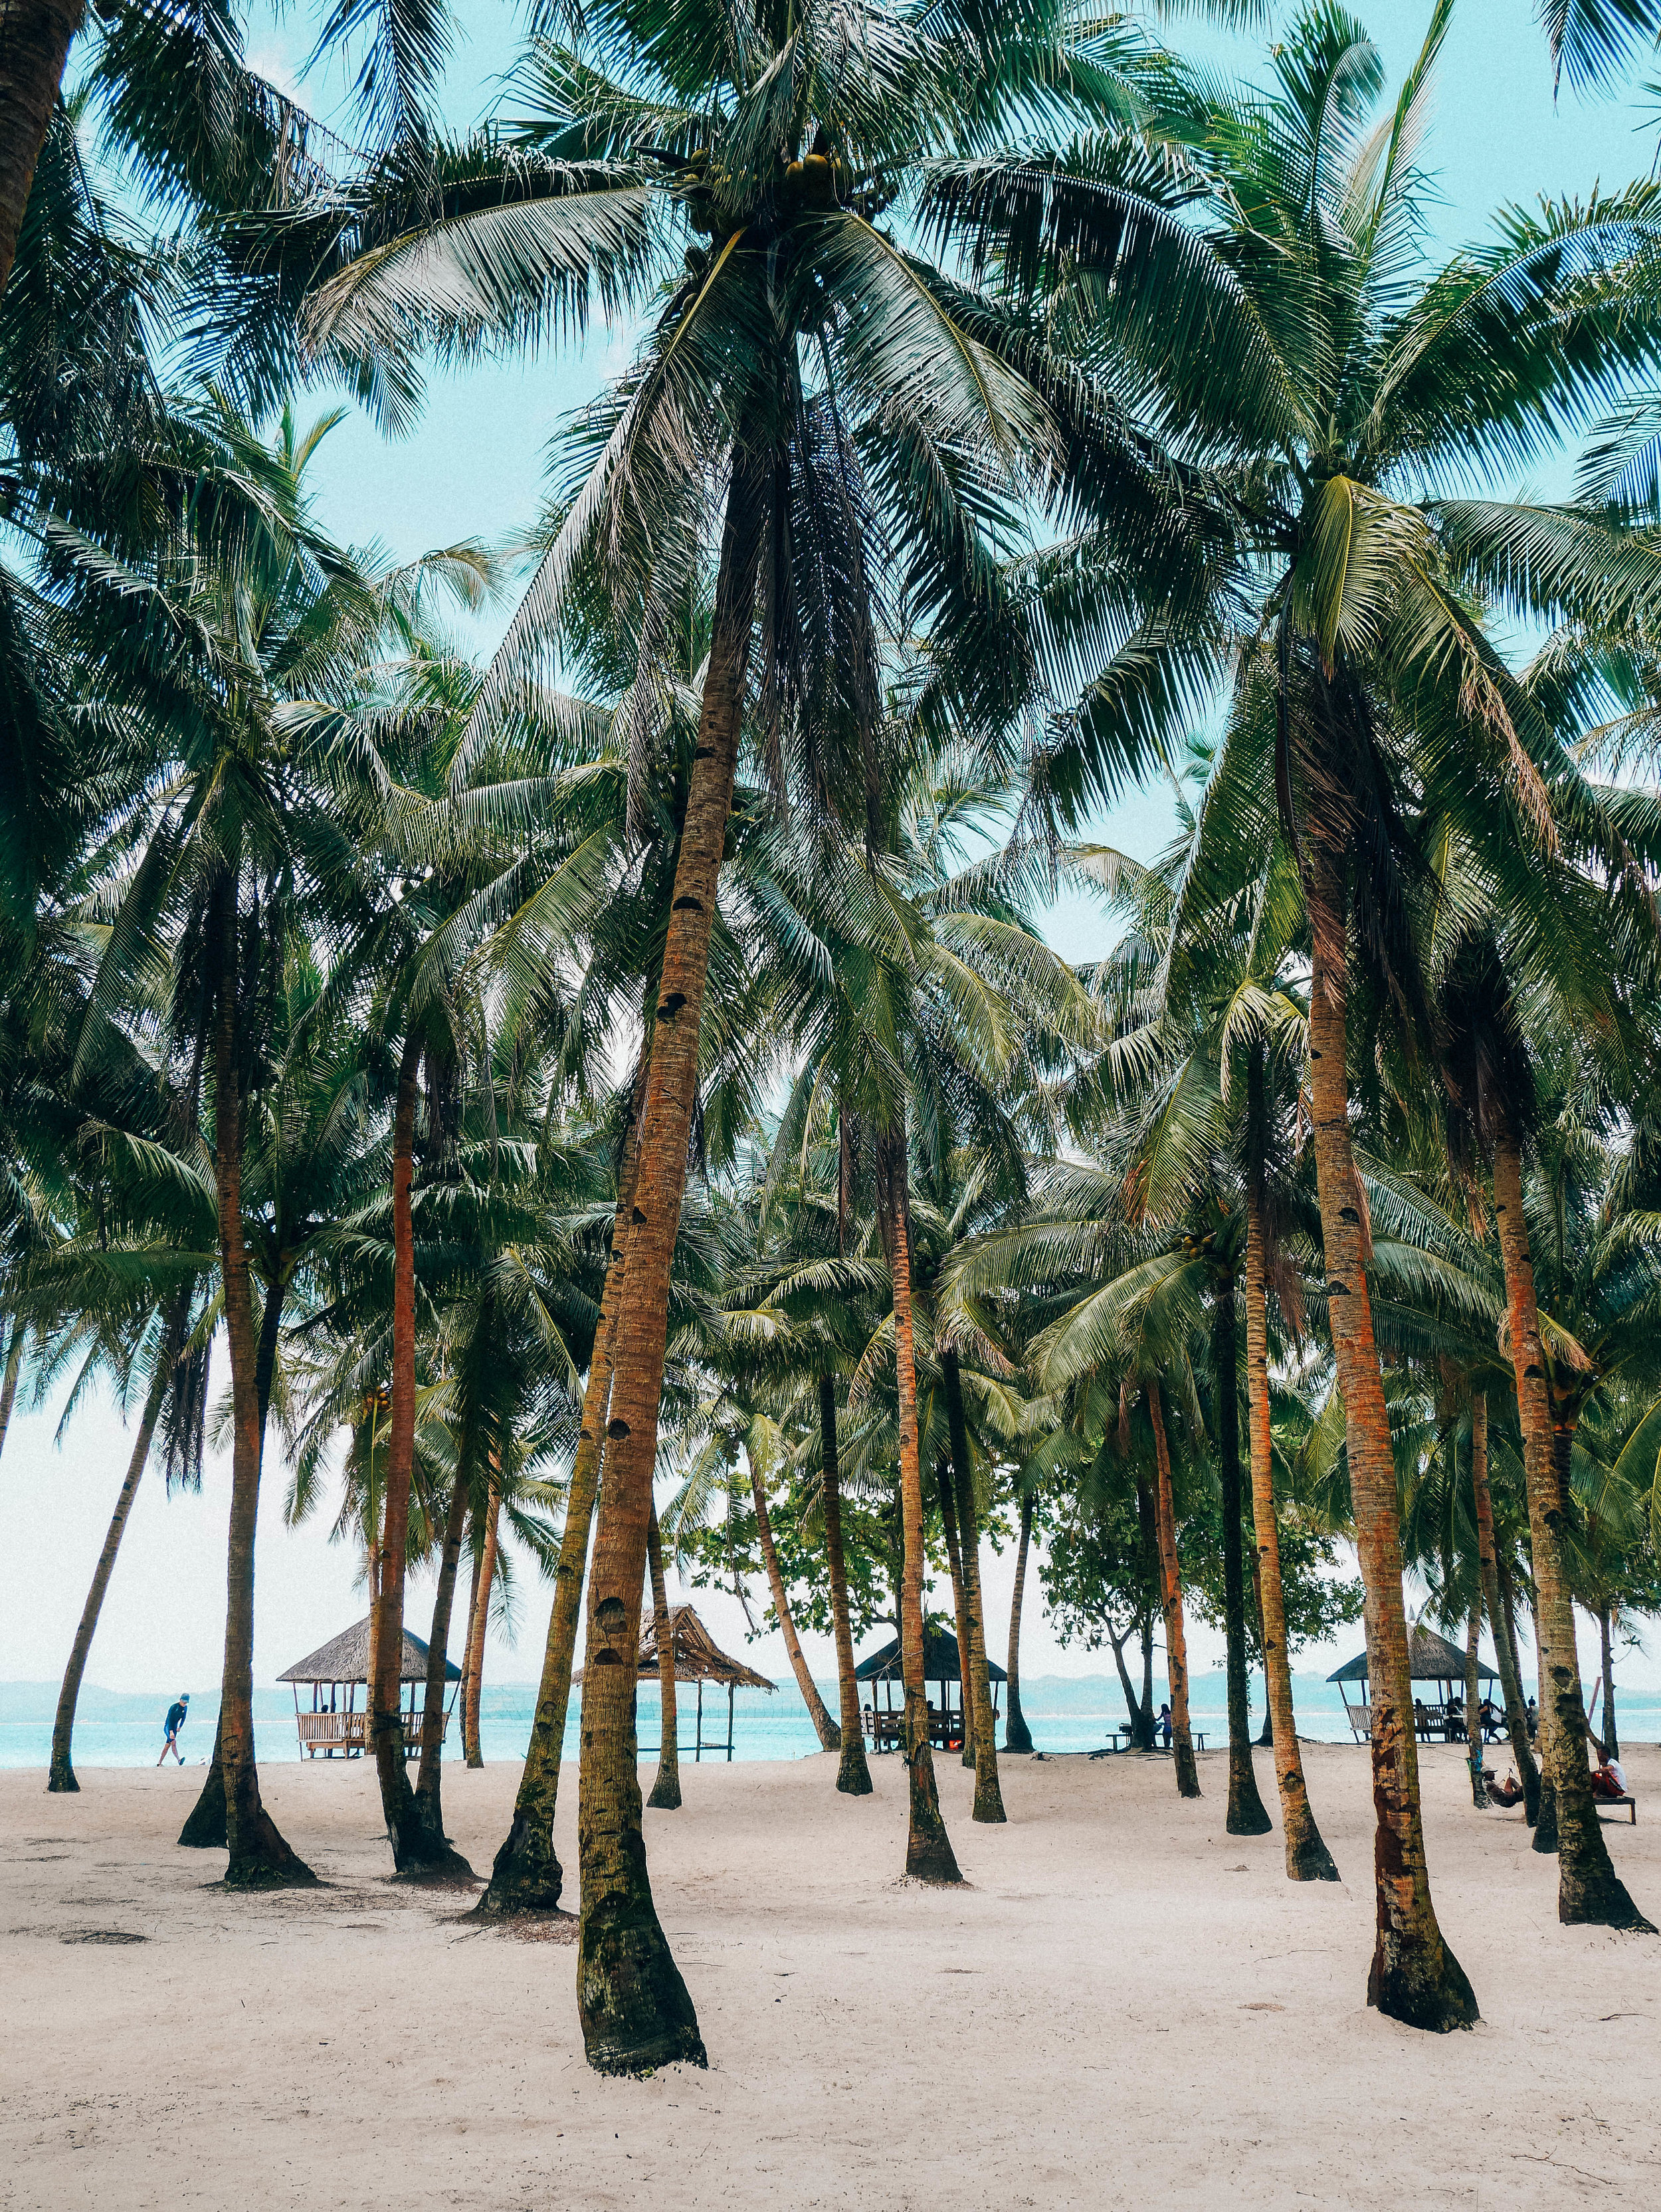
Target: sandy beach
(1124, 2006)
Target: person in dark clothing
(177, 1713)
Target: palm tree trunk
(35, 44)
(1266, 1733)
(1611, 1733)
(1416, 1977)
(473, 1688)
(527, 1876)
(830, 1736)
(415, 1848)
(1176, 1640)
(666, 1789)
(1246, 1815)
(1307, 1858)
(929, 1854)
(1473, 1719)
(464, 1701)
(205, 1828)
(988, 1797)
(1496, 1595)
(259, 1857)
(429, 1778)
(960, 1611)
(61, 1775)
(1153, 1573)
(1017, 1736)
(853, 1777)
(1545, 1827)
(8, 1382)
(1588, 1889)
(635, 2009)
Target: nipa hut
(698, 1658)
(334, 1674)
(1431, 1658)
(942, 1664)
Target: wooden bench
(1614, 1805)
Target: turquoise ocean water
(1065, 1714)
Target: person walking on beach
(177, 1713)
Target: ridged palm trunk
(853, 1777)
(1246, 1815)
(1588, 1889)
(1498, 1602)
(35, 44)
(1170, 1576)
(946, 1486)
(61, 1775)
(666, 1789)
(9, 1380)
(478, 1628)
(527, 1876)
(415, 1848)
(988, 1797)
(830, 1736)
(929, 1854)
(635, 2009)
(1017, 1736)
(1307, 1858)
(1415, 1977)
(429, 1779)
(1473, 1715)
(259, 1857)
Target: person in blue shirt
(177, 1713)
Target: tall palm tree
(1352, 380)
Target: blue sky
(474, 468)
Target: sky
(473, 468)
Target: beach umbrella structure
(1431, 1658)
(698, 1658)
(336, 1672)
(942, 1664)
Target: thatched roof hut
(942, 1663)
(345, 1658)
(698, 1658)
(334, 1670)
(1430, 1658)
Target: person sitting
(1508, 1792)
(1608, 1777)
(1455, 1720)
(1421, 1720)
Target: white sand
(1126, 2006)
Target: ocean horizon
(1065, 1713)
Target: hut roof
(698, 1656)
(941, 1661)
(1431, 1658)
(346, 1659)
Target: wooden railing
(347, 1734)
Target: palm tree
(1349, 390)
(784, 172)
